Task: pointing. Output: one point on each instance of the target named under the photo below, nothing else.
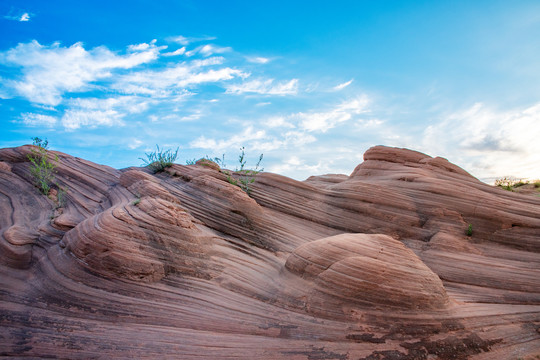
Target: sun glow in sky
(312, 85)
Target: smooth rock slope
(184, 265)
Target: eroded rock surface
(185, 265)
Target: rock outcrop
(182, 264)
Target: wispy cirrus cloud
(176, 52)
(175, 79)
(342, 85)
(322, 121)
(265, 87)
(257, 59)
(208, 50)
(186, 40)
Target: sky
(310, 84)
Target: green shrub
(246, 176)
(511, 184)
(61, 197)
(469, 230)
(137, 199)
(159, 160)
(219, 161)
(42, 169)
(520, 183)
(504, 183)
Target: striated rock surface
(185, 265)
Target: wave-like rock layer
(184, 265)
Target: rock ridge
(182, 264)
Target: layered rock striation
(184, 265)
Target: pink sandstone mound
(185, 265)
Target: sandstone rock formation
(185, 265)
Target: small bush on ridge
(42, 169)
(159, 160)
(246, 177)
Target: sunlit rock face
(183, 264)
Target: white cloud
(371, 123)
(322, 121)
(235, 141)
(177, 52)
(257, 59)
(93, 112)
(265, 87)
(143, 46)
(182, 40)
(50, 71)
(294, 132)
(211, 76)
(45, 107)
(259, 140)
(295, 166)
(277, 122)
(343, 85)
(74, 119)
(5, 93)
(489, 143)
(32, 119)
(195, 115)
(174, 80)
(128, 104)
(208, 50)
(135, 143)
(288, 140)
(298, 138)
(21, 16)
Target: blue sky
(312, 85)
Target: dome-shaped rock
(368, 269)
